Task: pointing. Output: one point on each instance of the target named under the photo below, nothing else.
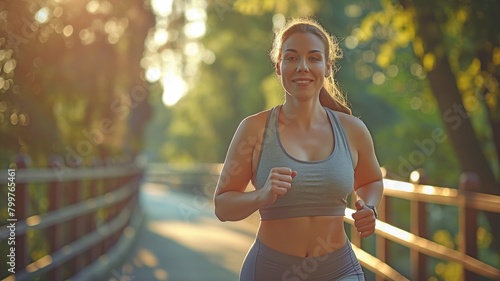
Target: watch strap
(374, 210)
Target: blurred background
(89, 83)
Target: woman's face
(303, 65)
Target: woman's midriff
(304, 236)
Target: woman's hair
(330, 95)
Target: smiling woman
(301, 206)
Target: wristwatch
(374, 210)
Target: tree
(72, 85)
(456, 43)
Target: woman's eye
(314, 59)
(290, 58)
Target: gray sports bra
(320, 188)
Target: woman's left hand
(364, 219)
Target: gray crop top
(320, 188)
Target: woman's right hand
(278, 183)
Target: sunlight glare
(192, 49)
(196, 14)
(174, 88)
(92, 7)
(42, 15)
(399, 186)
(68, 30)
(428, 189)
(414, 176)
(162, 7)
(351, 42)
(353, 11)
(208, 57)
(279, 21)
(195, 29)
(153, 74)
(161, 37)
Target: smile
(302, 81)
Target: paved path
(182, 240)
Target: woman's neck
(303, 115)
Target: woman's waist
(304, 236)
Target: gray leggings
(265, 264)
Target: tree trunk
(459, 127)
(485, 56)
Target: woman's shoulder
(257, 121)
(353, 125)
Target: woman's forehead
(301, 41)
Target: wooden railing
(70, 223)
(202, 179)
(468, 202)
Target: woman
(310, 155)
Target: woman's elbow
(218, 210)
(220, 215)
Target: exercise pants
(265, 264)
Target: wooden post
(22, 195)
(72, 192)
(382, 246)
(110, 211)
(54, 233)
(419, 228)
(93, 192)
(78, 224)
(469, 182)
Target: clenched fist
(278, 183)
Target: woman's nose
(302, 66)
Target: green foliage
(229, 89)
(72, 82)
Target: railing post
(382, 247)
(22, 194)
(418, 227)
(110, 185)
(73, 195)
(469, 182)
(54, 233)
(91, 224)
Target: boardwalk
(183, 240)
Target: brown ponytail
(328, 101)
(330, 95)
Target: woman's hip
(265, 264)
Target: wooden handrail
(441, 195)
(428, 247)
(468, 201)
(75, 248)
(70, 212)
(47, 175)
(109, 190)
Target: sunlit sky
(167, 67)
